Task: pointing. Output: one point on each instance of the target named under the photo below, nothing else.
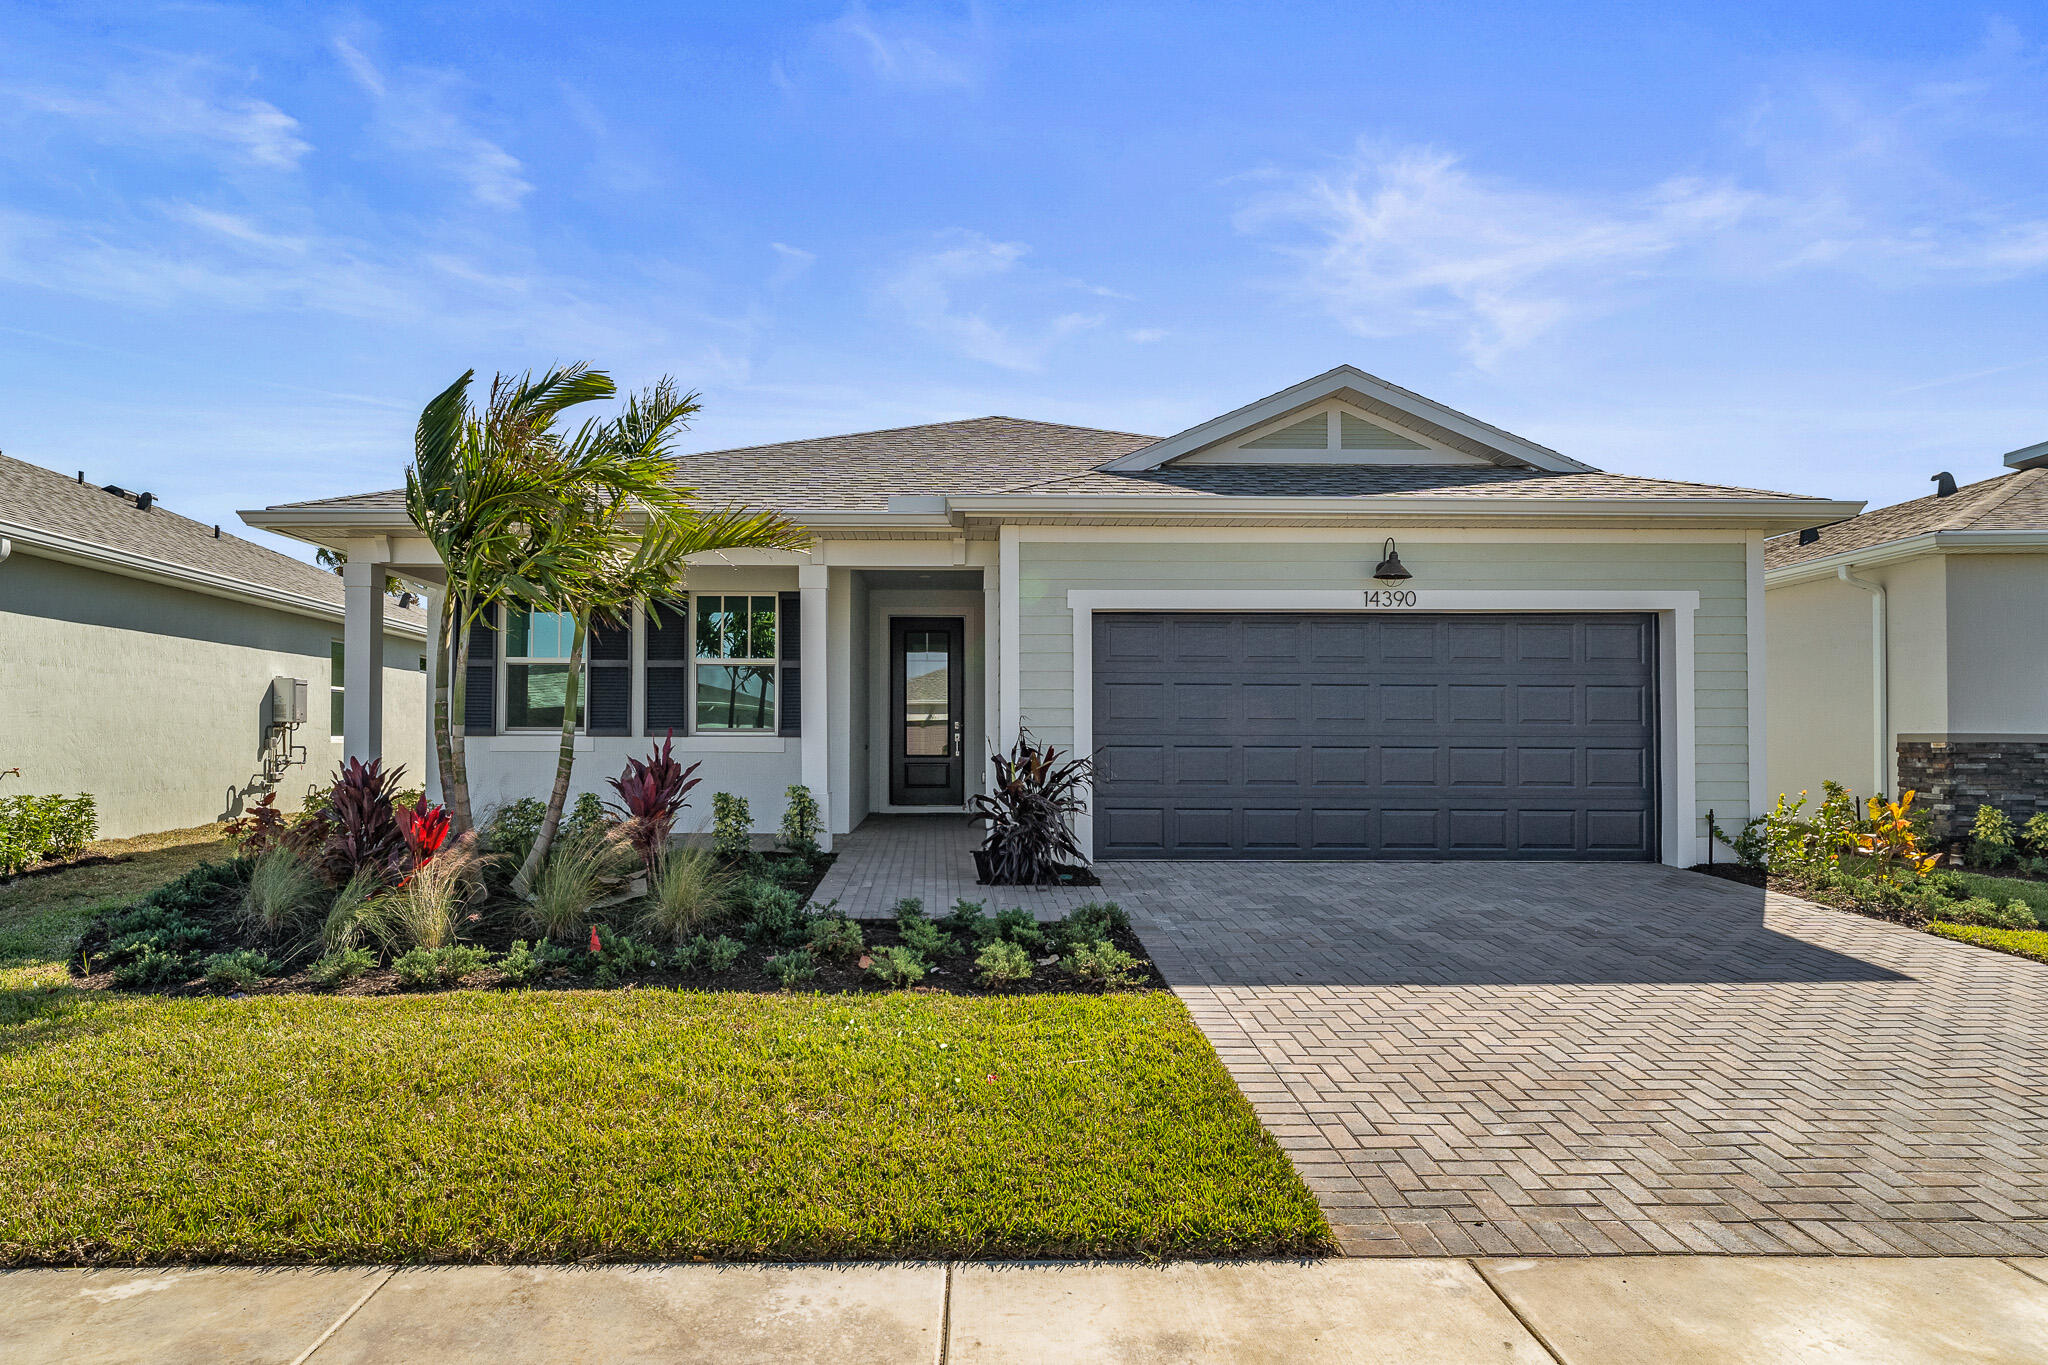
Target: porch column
(1009, 636)
(436, 665)
(812, 587)
(992, 666)
(362, 664)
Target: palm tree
(483, 488)
(625, 534)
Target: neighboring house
(138, 650)
(1909, 648)
(1568, 673)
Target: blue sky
(1795, 246)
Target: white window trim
(774, 727)
(1681, 841)
(504, 674)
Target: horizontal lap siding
(1047, 571)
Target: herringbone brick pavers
(1495, 1059)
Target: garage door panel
(1353, 736)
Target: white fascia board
(2028, 457)
(1766, 513)
(86, 554)
(1891, 551)
(1322, 386)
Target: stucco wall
(1048, 571)
(153, 698)
(1998, 644)
(1818, 697)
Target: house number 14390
(1389, 597)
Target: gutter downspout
(1880, 673)
(6, 549)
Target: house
(1568, 666)
(1908, 648)
(140, 653)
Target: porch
(930, 857)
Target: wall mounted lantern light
(1391, 569)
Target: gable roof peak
(1375, 396)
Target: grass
(2024, 942)
(2003, 889)
(625, 1126)
(42, 916)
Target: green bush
(1988, 913)
(801, 822)
(2035, 834)
(896, 966)
(793, 968)
(969, 921)
(239, 969)
(443, 966)
(1019, 926)
(509, 831)
(1090, 923)
(926, 939)
(343, 964)
(688, 893)
(617, 957)
(1102, 964)
(703, 954)
(835, 937)
(774, 915)
(587, 819)
(154, 967)
(34, 829)
(525, 963)
(907, 909)
(1993, 840)
(1003, 964)
(732, 827)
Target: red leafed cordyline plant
(424, 829)
(363, 826)
(651, 794)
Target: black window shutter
(609, 711)
(480, 688)
(790, 633)
(668, 670)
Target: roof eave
(1775, 514)
(87, 554)
(1905, 547)
(1325, 384)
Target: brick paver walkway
(930, 857)
(1523, 1058)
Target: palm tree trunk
(455, 769)
(443, 744)
(565, 763)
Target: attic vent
(1810, 536)
(115, 489)
(1944, 484)
(1310, 433)
(1359, 434)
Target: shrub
(926, 939)
(1091, 923)
(154, 967)
(580, 870)
(1003, 964)
(1992, 838)
(791, 968)
(424, 828)
(345, 964)
(34, 829)
(732, 827)
(1102, 963)
(1981, 910)
(801, 822)
(1947, 886)
(510, 830)
(651, 794)
(239, 969)
(1032, 798)
(525, 963)
(432, 908)
(834, 936)
(897, 966)
(345, 922)
(907, 909)
(1019, 926)
(774, 914)
(2036, 835)
(709, 954)
(968, 920)
(616, 957)
(283, 893)
(687, 893)
(363, 830)
(443, 966)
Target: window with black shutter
(480, 687)
(609, 677)
(668, 668)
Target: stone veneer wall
(1955, 776)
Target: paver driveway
(1503, 1058)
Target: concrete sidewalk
(1577, 1311)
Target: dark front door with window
(1269, 735)
(926, 722)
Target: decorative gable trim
(1332, 432)
(1375, 399)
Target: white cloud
(901, 50)
(951, 291)
(416, 115)
(1145, 335)
(176, 101)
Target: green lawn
(611, 1125)
(2003, 889)
(2025, 942)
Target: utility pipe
(1880, 676)
(6, 549)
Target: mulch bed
(1786, 886)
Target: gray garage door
(1352, 735)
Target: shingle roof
(2007, 502)
(41, 499)
(998, 455)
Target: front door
(927, 766)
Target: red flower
(595, 946)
